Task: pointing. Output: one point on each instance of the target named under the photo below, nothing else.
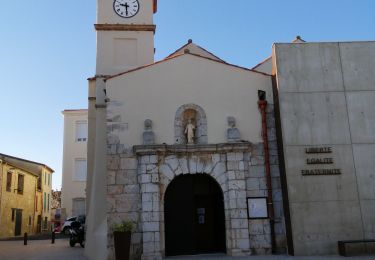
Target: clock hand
(126, 8)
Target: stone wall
(256, 186)
(123, 193)
(139, 176)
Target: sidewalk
(44, 250)
(270, 257)
(40, 250)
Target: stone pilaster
(148, 178)
(237, 205)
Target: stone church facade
(138, 179)
(197, 152)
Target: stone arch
(180, 123)
(208, 164)
(160, 165)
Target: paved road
(44, 250)
(40, 250)
(271, 257)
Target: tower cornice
(125, 27)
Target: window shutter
(80, 171)
(20, 183)
(9, 181)
(81, 131)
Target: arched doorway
(194, 216)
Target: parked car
(67, 224)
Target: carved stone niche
(198, 118)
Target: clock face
(126, 8)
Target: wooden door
(194, 216)
(39, 224)
(18, 226)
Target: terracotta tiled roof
(141, 67)
(13, 160)
(72, 110)
(178, 55)
(190, 41)
(98, 76)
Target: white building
(74, 168)
(265, 145)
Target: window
(13, 213)
(79, 206)
(9, 181)
(39, 185)
(48, 203)
(20, 183)
(81, 131)
(44, 202)
(45, 222)
(80, 170)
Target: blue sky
(47, 51)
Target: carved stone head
(148, 124)
(231, 121)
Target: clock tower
(125, 40)
(125, 35)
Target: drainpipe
(262, 104)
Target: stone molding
(100, 106)
(126, 27)
(191, 148)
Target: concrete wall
(72, 150)
(326, 95)
(156, 93)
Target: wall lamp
(261, 95)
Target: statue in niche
(148, 135)
(189, 131)
(233, 134)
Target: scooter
(77, 234)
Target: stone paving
(40, 250)
(271, 257)
(44, 250)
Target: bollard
(53, 237)
(25, 239)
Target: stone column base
(154, 256)
(238, 252)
